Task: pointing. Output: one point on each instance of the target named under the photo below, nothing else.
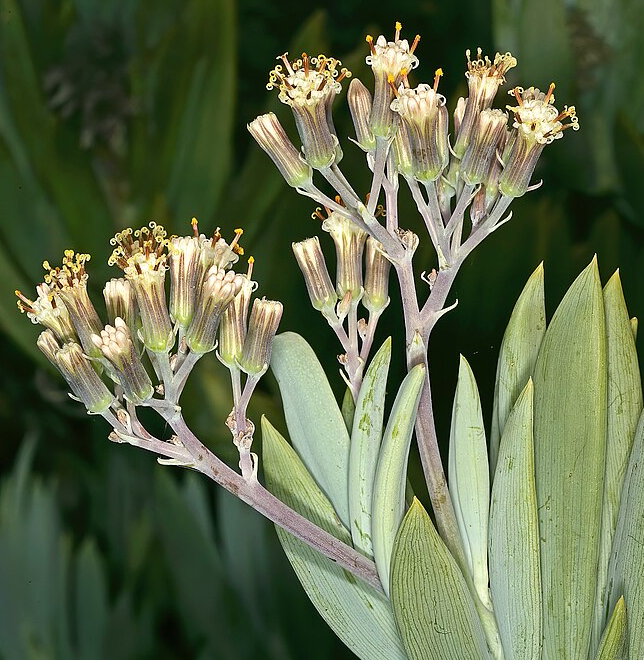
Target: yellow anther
(239, 231)
(251, 260)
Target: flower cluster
(479, 164)
(130, 358)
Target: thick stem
(254, 494)
(425, 426)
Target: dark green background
(116, 113)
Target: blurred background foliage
(117, 112)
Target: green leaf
(625, 574)
(469, 477)
(203, 150)
(359, 615)
(91, 603)
(569, 440)
(515, 571)
(518, 355)
(614, 643)
(366, 437)
(432, 604)
(624, 398)
(315, 424)
(54, 154)
(388, 504)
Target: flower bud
(142, 256)
(537, 123)
(217, 292)
(390, 62)
(262, 327)
(402, 152)
(423, 111)
(232, 329)
(309, 86)
(481, 151)
(376, 285)
(483, 80)
(120, 301)
(272, 138)
(311, 261)
(82, 378)
(49, 310)
(116, 345)
(359, 100)
(48, 344)
(349, 242)
(70, 283)
(183, 257)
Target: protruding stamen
(195, 227)
(369, 40)
(398, 29)
(437, 76)
(234, 245)
(392, 83)
(318, 214)
(404, 73)
(338, 199)
(551, 89)
(287, 64)
(305, 59)
(251, 261)
(517, 95)
(414, 44)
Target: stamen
(195, 227)
(251, 261)
(287, 64)
(398, 29)
(551, 89)
(392, 84)
(318, 214)
(369, 40)
(305, 58)
(517, 95)
(437, 77)
(338, 199)
(404, 73)
(215, 237)
(414, 44)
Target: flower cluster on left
(153, 337)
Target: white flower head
(48, 310)
(392, 57)
(417, 104)
(536, 118)
(307, 81)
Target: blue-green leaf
(614, 642)
(358, 614)
(366, 437)
(433, 607)
(469, 477)
(625, 574)
(388, 504)
(518, 355)
(569, 440)
(315, 424)
(515, 570)
(624, 400)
